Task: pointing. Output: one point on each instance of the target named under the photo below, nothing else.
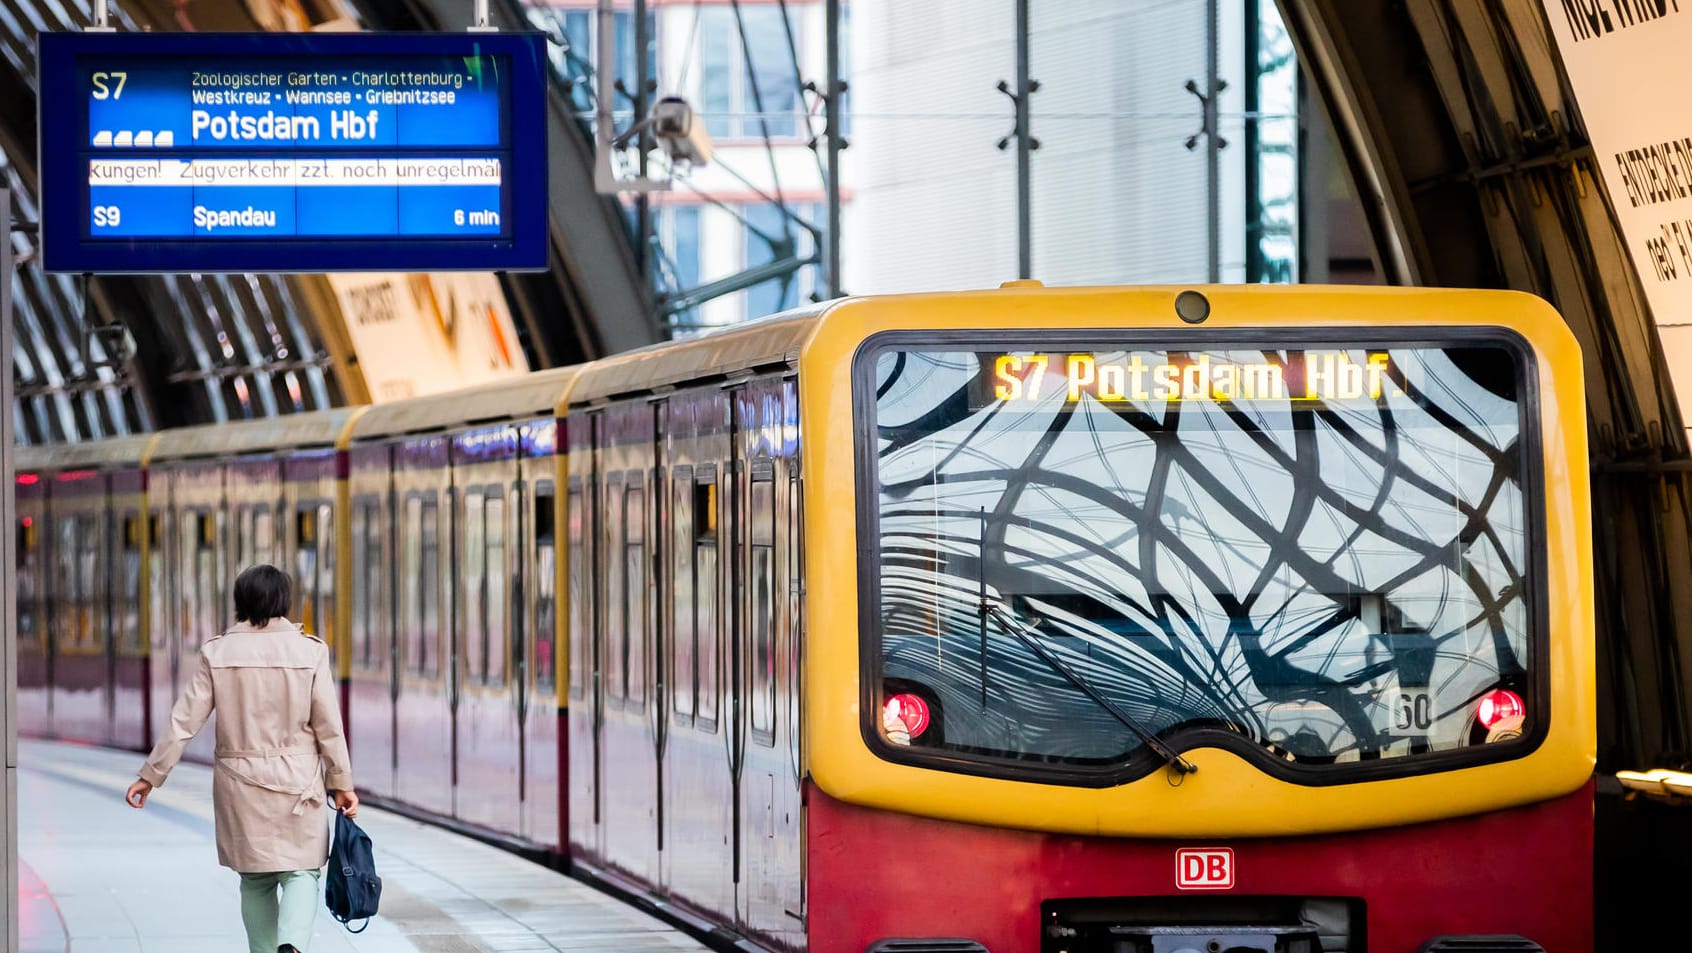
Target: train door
(370, 716)
(540, 703)
(769, 778)
(375, 581)
(489, 746)
(423, 719)
(586, 701)
(699, 798)
(630, 730)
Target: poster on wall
(418, 334)
(1623, 58)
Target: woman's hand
(347, 801)
(137, 796)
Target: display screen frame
(63, 123)
(1143, 761)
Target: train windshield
(1089, 557)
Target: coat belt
(266, 752)
(312, 796)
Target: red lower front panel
(874, 874)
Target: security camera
(682, 137)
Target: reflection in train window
(29, 592)
(429, 592)
(634, 517)
(762, 621)
(472, 581)
(707, 583)
(128, 612)
(616, 603)
(495, 633)
(581, 611)
(683, 683)
(411, 582)
(545, 660)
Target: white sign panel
(418, 334)
(1630, 62)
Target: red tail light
(910, 710)
(1498, 705)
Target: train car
(82, 671)
(452, 674)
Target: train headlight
(909, 712)
(1498, 706)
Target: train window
(581, 610)
(682, 674)
(326, 577)
(429, 595)
(545, 661)
(472, 582)
(762, 611)
(128, 611)
(795, 523)
(66, 593)
(29, 592)
(187, 582)
(376, 571)
(307, 612)
(496, 633)
(361, 596)
(708, 586)
(1324, 549)
(157, 565)
(207, 559)
(410, 621)
(638, 599)
(614, 616)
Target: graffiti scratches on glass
(1321, 376)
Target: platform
(100, 877)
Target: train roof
(109, 454)
(322, 429)
(768, 342)
(518, 398)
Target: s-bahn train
(1024, 620)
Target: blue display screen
(283, 152)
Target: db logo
(1204, 868)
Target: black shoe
(286, 948)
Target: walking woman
(279, 747)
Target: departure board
(291, 152)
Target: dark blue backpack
(353, 890)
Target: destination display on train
(1149, 377)
(313, 147)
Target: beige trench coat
(279, 744)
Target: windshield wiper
(1015, 626)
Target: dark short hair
(261, 594)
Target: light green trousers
(271, 920)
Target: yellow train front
(1137, 620)
(1227, 620)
